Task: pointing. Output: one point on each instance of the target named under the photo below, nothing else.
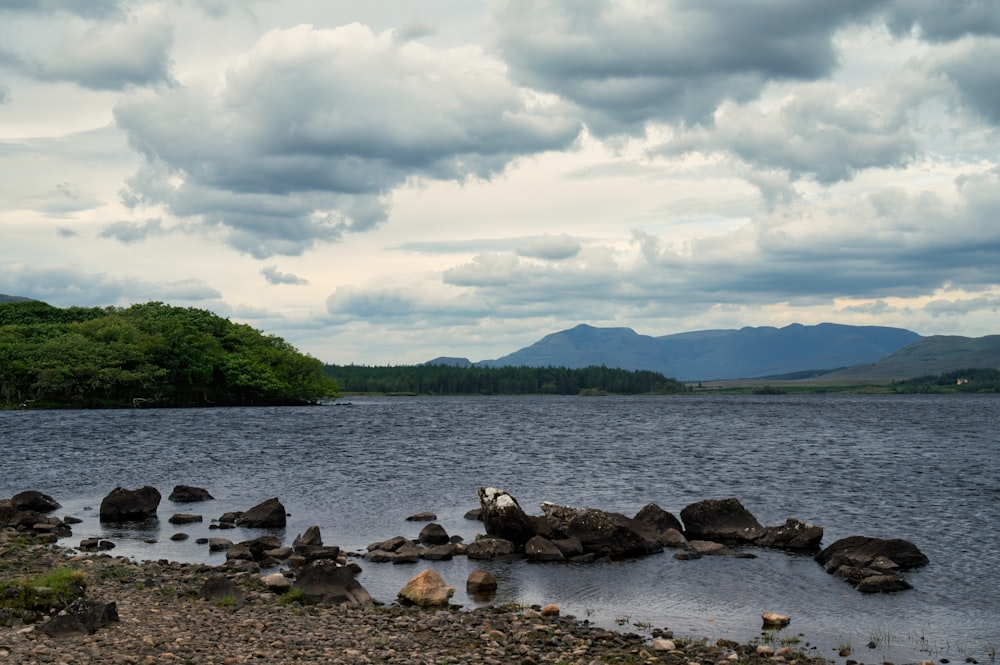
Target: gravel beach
(162, 618)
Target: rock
(426, 589)
(658, 518)
(188, 494)
(311, 538)
(474, 514)
(269, 514)
(220, 589)
(673, 538)
(276, 582)
(503, 517)
(35, 501)
(184, 518)
(239, 552)
(773, 620)
(570, 547)
(7, 511)
(318, 552)
(391, 545)
(662, 644)
(422, 517)
(602, 533)
(229, 518)
(219, 544)
(82, 617)
(883, 584)
(179, 536)
(438, 553)
(434, 534)
(707, 547)
(686, 555)
(489, 548)
(282, 553)
(542, 549)
(258, 548)
(794, 535)
(725, 521)
(123, 505)
(863, 551)
(324, 582)
(550, 610)
(481, 582)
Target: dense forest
(961, 381)
(449, 380)
(147, 355)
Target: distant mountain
(714, 354)
(450, 362)
(939, 354)
(6, 298)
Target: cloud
(937, 20)
(626, 64)
(553, 248)
(820, 131)
(132, 232)
(91, 8)
(313, 128)
(970, 65)
(67, 287)
(5, 97)
(96, 54)
(274, 276)
(409, 304)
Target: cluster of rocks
(30, 511)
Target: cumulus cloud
(275, 276)
(820, 130)
(626, 64)
(944, 20)
(97, 54)
(970, 65)
(131, 232)
(67, 286)
(313, 128)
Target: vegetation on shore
(983, 380)
(147, 355)
(450, 380)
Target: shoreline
(163, 619)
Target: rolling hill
(932, 355)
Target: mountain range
(836, 351)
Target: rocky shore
(160, 615)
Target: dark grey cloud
(275, 276)
(626, 64)
(315, 128)
(944, 20)
(64, 232)
(132, 232)
(551, 247)
(971, 66)
(86, 8)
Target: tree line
(451, 380)
(147, 354)
(982, 380)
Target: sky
(387, 182)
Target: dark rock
(862, 551)
(794, 535)
(219, 544)
(686, 555)
(184, 518)
(422, 517)
(391, 545)
(673, 538)
(542, 549)
(474, 514)
(311, 538)
(82, 617)
(230, 518)
(725, 521)
(7, 511)
(658, 518)
(326, 583)
(69, 519)
(708, 548)
(318, 552)
(490, 548)
(123, 505)
(602, 533)
(481, 582)
(188, 494)
(220, 589)
(95, 544)
(438, 553)
(179, 537)
(257, 547)
(269, 514)
(239, 552)
(883, 584)
(434, 534)
(570, 547)
(36, 501)
(503, 516)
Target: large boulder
(434, 534)
(426, 589)
(542, 549)
(658, 518)
(720, 520)
(602, 533)
(123, 505)
(189, 494)
(82, 617)
(794, 535)
(326, 583)
(34, 501)
(269, 514)
(503, 517)
(311, 538)
(220, 589)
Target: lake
(918, 467)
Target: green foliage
(53, 590)
(294, 596)
(148, 354)
(449, 380)
(982, 380)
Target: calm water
(922, 468)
